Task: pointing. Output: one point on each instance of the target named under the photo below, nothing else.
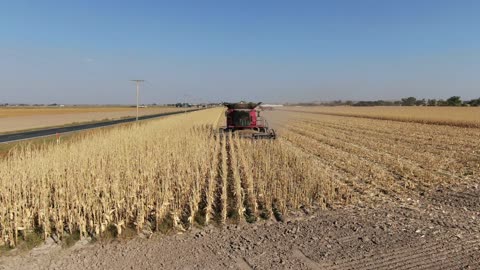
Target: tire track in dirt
(428, 256)
(311, 264)
(242, 264)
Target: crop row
(174, 172)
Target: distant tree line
(454, 101)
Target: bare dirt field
(15, 119)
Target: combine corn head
(245, 120)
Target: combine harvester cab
(244, 119)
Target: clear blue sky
(86, 51)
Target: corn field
(177, 168)
(180, 171)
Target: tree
(432, 102)
(454, 101)
(420, 102)
(410, 101)
(442, 102)
(474, 102)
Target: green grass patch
(29, 240)
(69, 240)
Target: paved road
(52, 131)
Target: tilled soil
(438, 230)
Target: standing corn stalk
(213, 173)
(224, 175)
(237, 190)
(248, 181)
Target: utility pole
(137, 82)
(185, 103)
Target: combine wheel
(273, 134)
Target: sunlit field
(457, 116)
(178, 172)
(41, 110)
(25, 118)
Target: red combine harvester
(244, 118)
